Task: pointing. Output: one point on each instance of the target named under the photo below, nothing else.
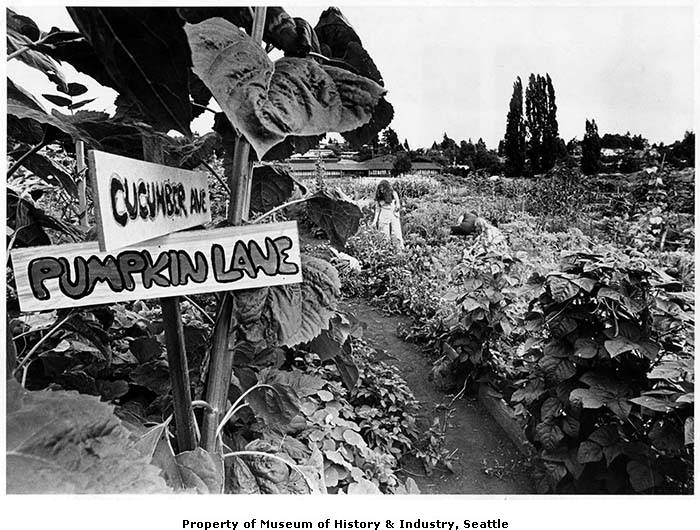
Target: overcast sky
(451, 69)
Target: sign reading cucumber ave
(196, 261)
(137, 201)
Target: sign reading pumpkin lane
(136, 200)
(190, 262)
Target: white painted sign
(137, 201)
(196, 261)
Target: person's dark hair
(385, 193)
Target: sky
(450, 69)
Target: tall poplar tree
(514, 141)
(541, 121)
(590, 149)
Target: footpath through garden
(484, 461)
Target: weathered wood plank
(136, 201)
(197, 261)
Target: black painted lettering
(130, 262)
(131, 200)
(142, 199)
(218, 260)
(268, 264)
(152, 273)
(40, 270)
(160, 199)
(283, 244)
(116, 188)
(181, 199)
(241, 259)
(104, 270)
(78, 287)
(196, 271)
(174, 268)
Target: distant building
(381, 166)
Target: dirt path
(485, 460)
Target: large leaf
(29, 222)
(23, 32)
(288, 315)
(603, 391)
(52, 173)
(73, 48)
(271, 186)
(335, 214)
(27, 116)
(64, 442)
(269, 101)
(278, 407)
(200, 471)
(144, 51)
(294, 36)
(340, 41)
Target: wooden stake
(82, 181)
(238, 174)
(175, 343)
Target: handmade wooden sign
(196, 261)
(137, 201)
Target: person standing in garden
(386, 212)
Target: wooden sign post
(136, 200)
(196, 261)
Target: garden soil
(485, 461)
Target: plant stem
(38, 147)
(238, 172)
(216, 176)
(280, 207)
(82, 182)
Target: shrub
(609, 398)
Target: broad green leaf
(144, 51)
(335, 214)
(589, 452)
(64, 442)
(269, 101)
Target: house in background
(304, 166)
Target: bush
(609, 398)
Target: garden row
(589, 342)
